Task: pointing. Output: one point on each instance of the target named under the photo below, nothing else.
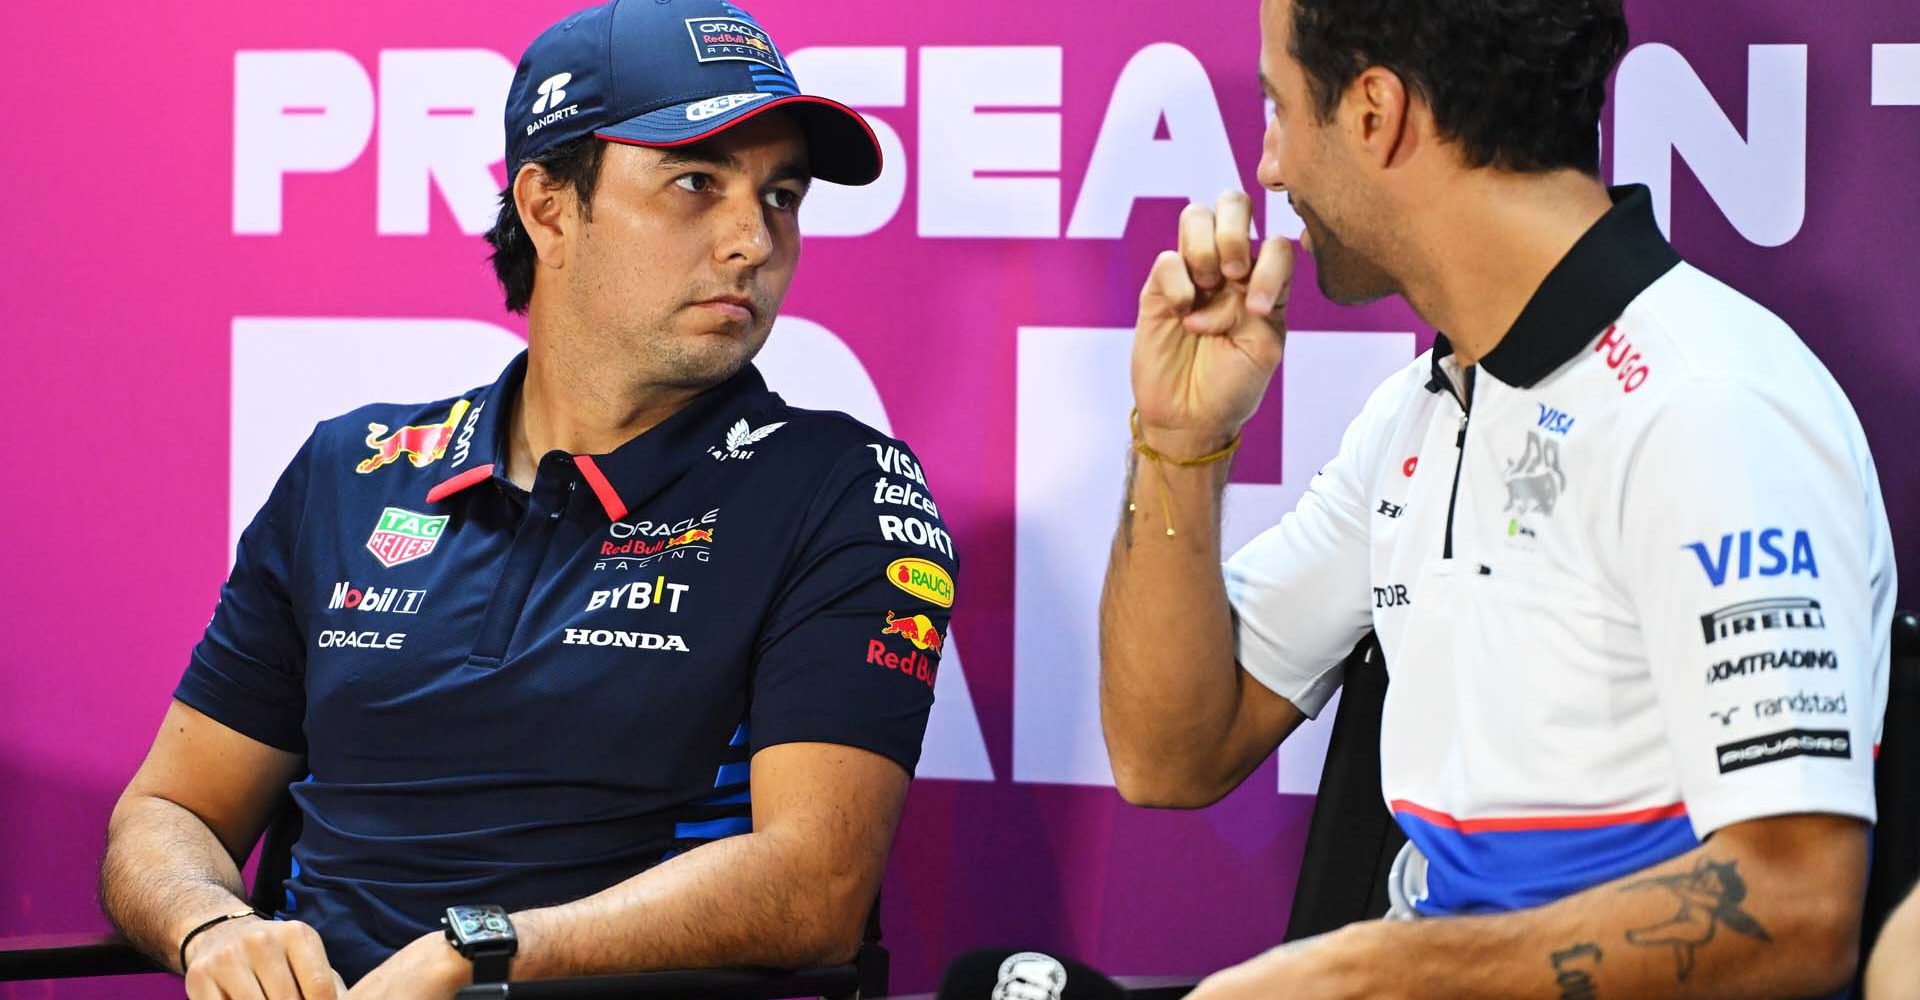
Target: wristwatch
(485, 936)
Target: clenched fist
(1211, 327)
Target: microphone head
(1004, 974)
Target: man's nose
(744, 235)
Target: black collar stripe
(1608, 267)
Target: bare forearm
(746, 900)
(164, 872)
(1166, 636)
(1718, 921)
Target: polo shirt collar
(627, 476)
(487, 442)
(1608, 267)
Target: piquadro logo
(551, 94)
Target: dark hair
(1517, 83)
(575, 163)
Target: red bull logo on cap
(422, 444)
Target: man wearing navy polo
(617, 663)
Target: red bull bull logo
(422, 444)
(918, 630)
(914, 662)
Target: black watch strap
(491, 966)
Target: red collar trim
(615, 507)
(449, 487)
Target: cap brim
(841, 147)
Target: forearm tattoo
(1573, 971)
(1707, 898)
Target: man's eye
(694, 182)
(783, 199)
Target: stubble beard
(1346, 276)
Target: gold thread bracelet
(1160, 461)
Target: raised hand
(1211, 327)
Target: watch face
(480, 924)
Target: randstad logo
(550, 93)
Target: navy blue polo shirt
(523, 697)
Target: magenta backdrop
(124, 273)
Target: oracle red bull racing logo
(640, 547)
(721, 38)
(421, 444)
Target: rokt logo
(551, 94)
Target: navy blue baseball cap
(667, 73)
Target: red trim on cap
(1511, 824)
(601, 488)
(457, 483)
(879, 157)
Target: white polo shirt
(1631, 574)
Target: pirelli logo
(1779, 746)
(1761, 616)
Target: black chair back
(1896, 785)
(1352, 839)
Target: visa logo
(1736, 552)
(1554, 420)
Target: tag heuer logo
(403, 536)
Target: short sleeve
(248, 671)
(1744, 548)
(853, 643)
(1299, 590)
